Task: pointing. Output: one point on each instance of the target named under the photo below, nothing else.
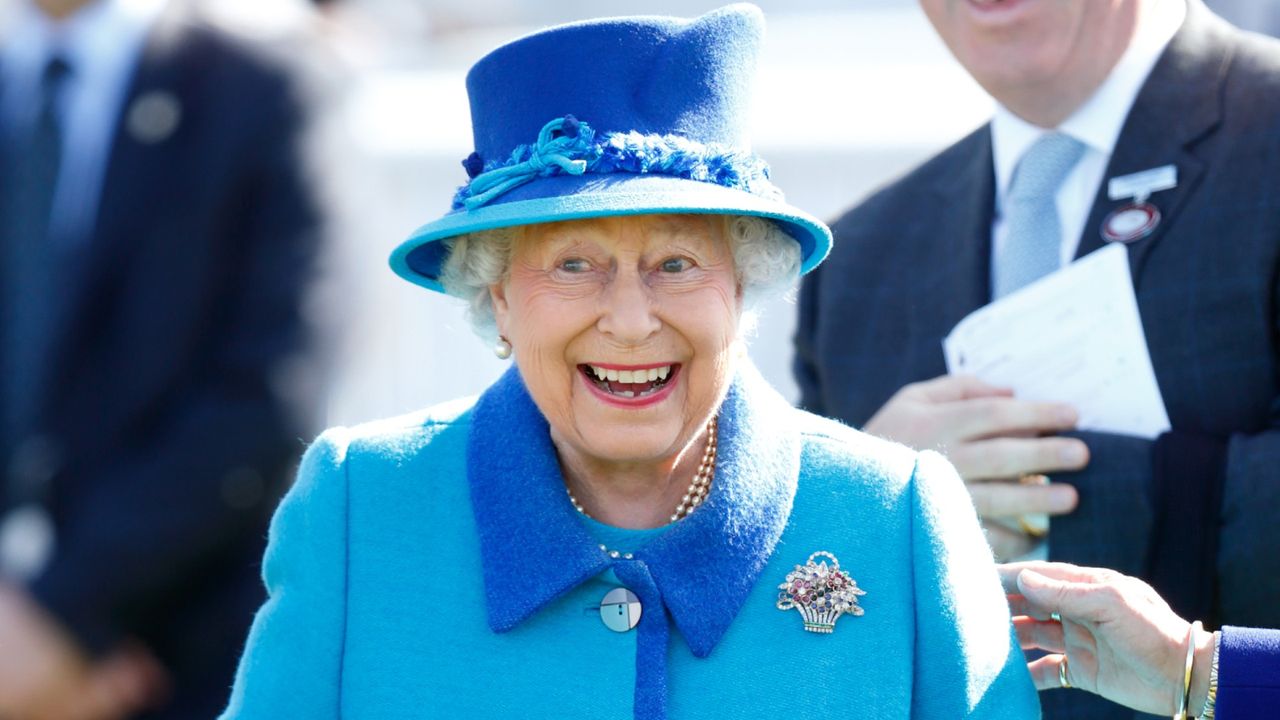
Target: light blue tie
(1033, 239)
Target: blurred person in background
(1086, 92)
(1111, 634)
(156, 231)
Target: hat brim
(567, 197)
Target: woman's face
(650, 302)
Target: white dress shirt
(1096, 123)
(102, 43)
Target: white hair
(766, 261)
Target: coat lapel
(1177, 107)
(519, 501)
(964, 201)
(707, 564)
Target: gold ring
(1062, 673)
(1039, 528)
(1031, 529)
(1054, 616)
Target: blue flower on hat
(473, 165)
(569, 146)
(570, 127)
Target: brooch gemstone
(822, 593)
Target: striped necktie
(1034, 232)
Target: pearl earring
(502, 348)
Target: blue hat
(623, 116)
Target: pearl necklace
(698, 489)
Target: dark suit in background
(162, 437)
(1196, 511)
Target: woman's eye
(575, 265)
(675, 265)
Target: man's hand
(993, 439)
(45, 676)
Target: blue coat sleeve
(1248, 673)
(967, 660)
(292, 665)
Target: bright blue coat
(432, 566)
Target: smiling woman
(624, 294)
(623, 523)
(696, 279)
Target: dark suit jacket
(164, 439)
(1195, 512)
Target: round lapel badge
(1130, 222)
(153, 117)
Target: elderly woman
(630, 522)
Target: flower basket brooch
(821, 592)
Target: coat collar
(534, 548)
(964, 190)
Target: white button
(620, 610)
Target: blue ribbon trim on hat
(568, 146)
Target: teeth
(630, 376)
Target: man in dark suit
(1124, 86)
(157, 232)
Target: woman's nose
(628, 312)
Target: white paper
(1074, 337)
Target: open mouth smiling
(635, 382)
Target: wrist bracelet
(1212, 699)
(1184, 697)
